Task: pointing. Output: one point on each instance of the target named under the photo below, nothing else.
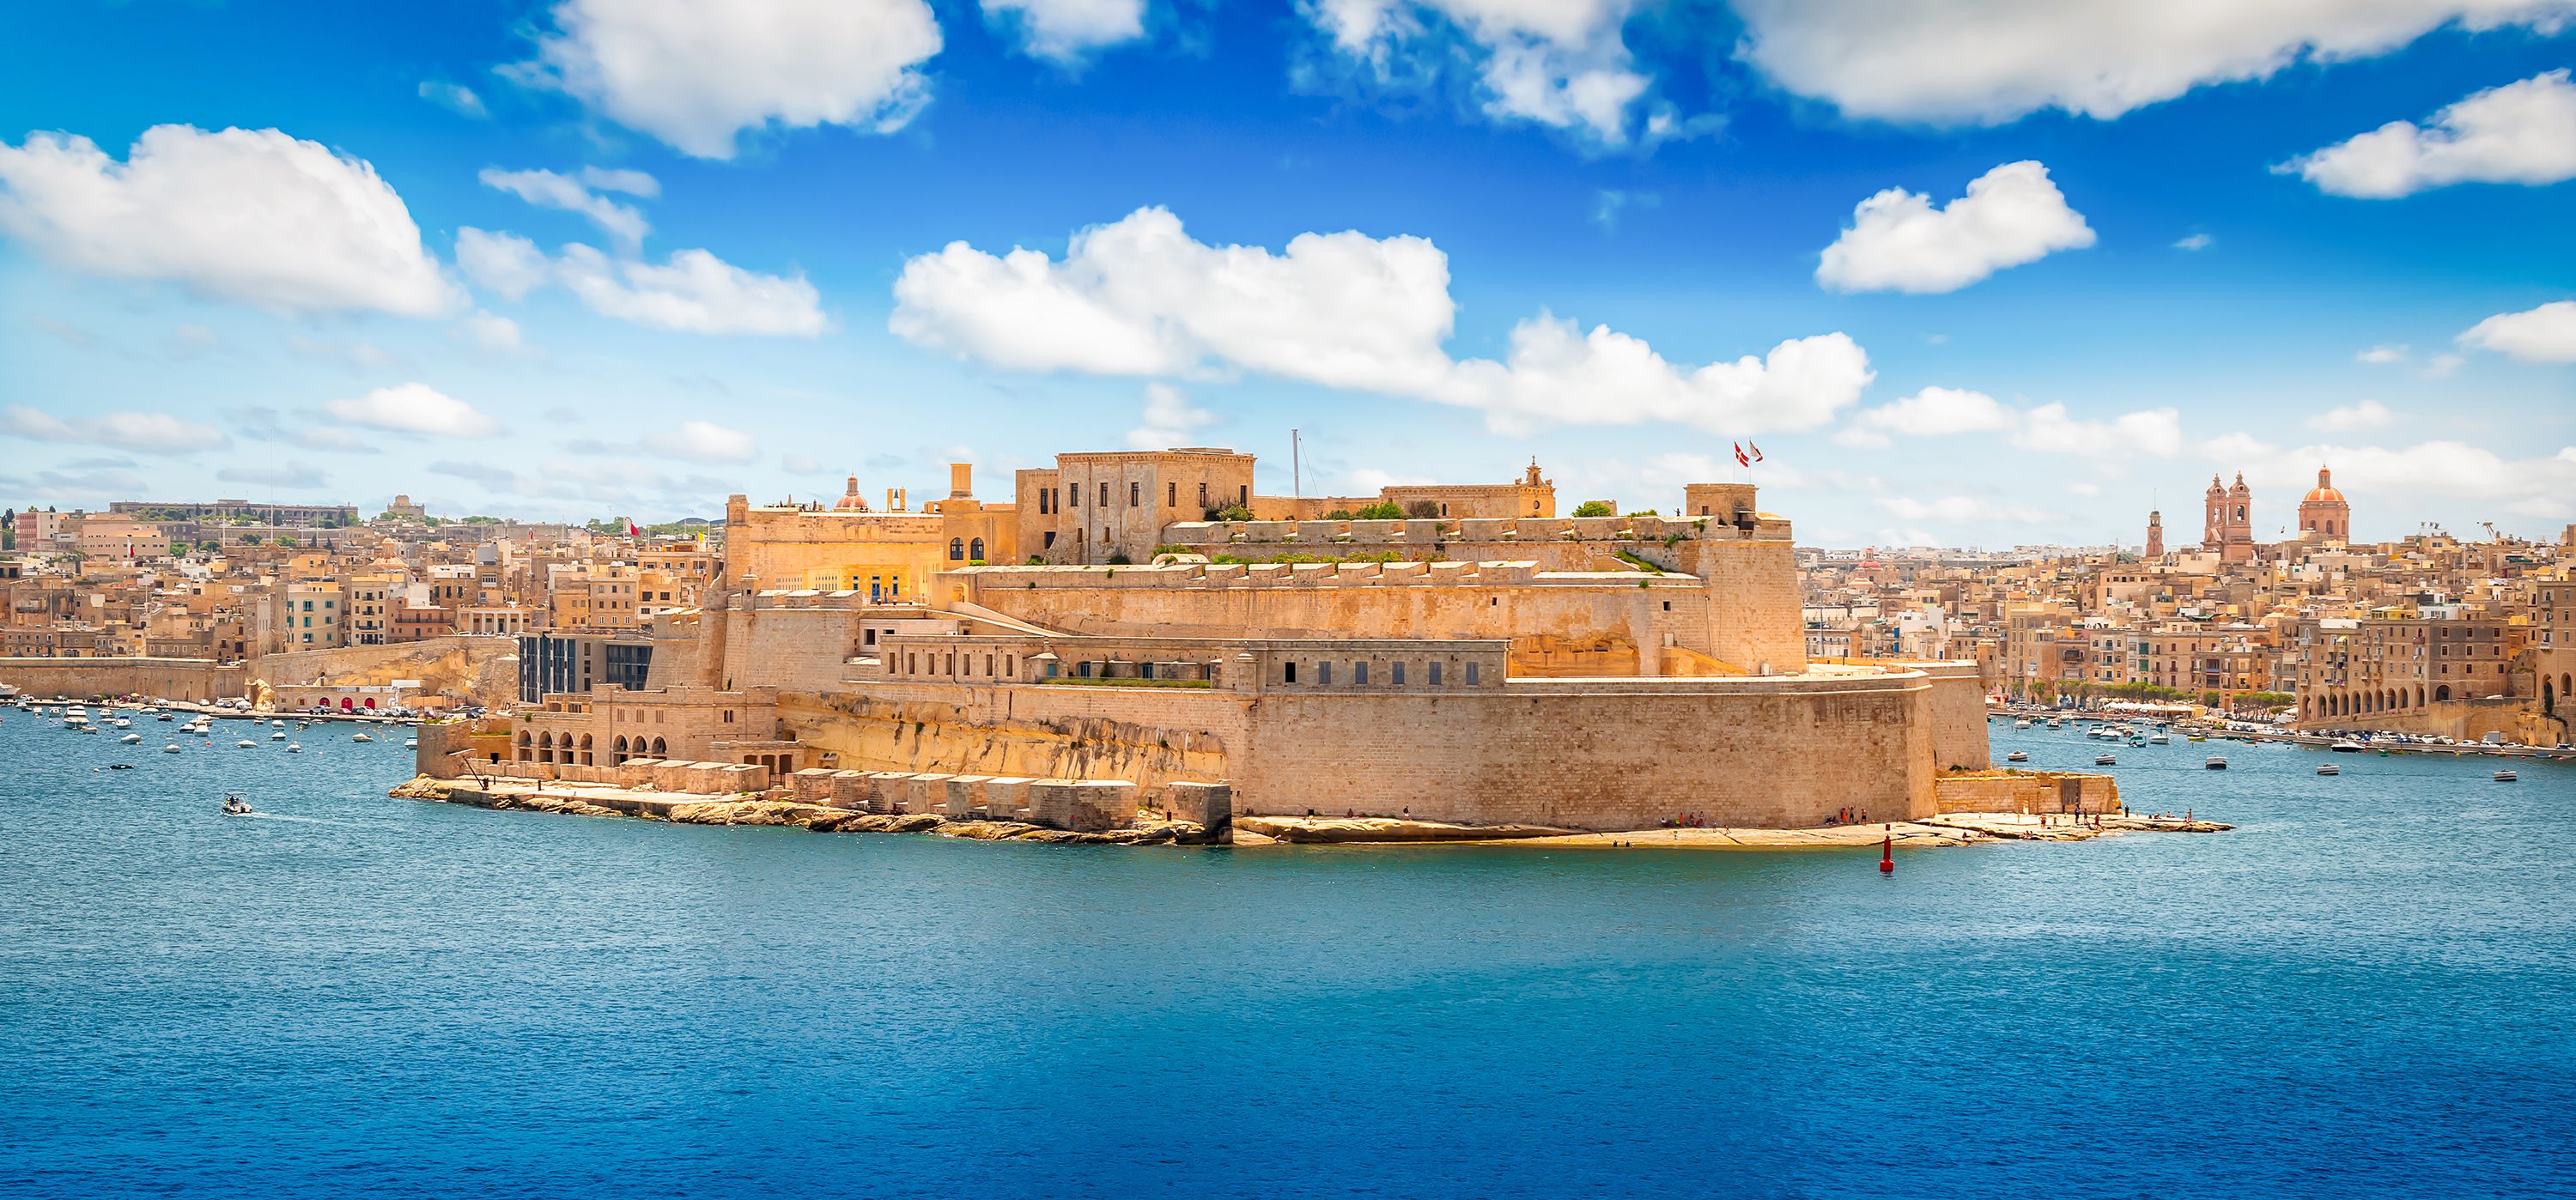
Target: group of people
(1849, 816)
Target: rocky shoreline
(691, 809)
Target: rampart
(192, 679)
(484, 670)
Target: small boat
(295, 747)
(233, 807)
(165, 717)
(2329, 769)
(2506, 777)
(245, 744)
(2106, 760)
(2017, 756)
(278, 736)
(360, 737)
(2217, 762)
(121, 723)
(131, 738)
(120, 766)
(277, 724)
(2158, 739)
(2347, 746)
(411, 743)
(172, 748)
(2195, 738)
(2021, 724)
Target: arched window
(659, 750)
(956, 549)
(975, 549)
(2443, 692)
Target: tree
(1234, 512)
(1422, 510)
(1595, 508)
(1383, 510)
(1339, 514)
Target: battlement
(1345, 536)
(1255, 576)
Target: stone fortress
(1144, 618)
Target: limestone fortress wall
(1595, 673)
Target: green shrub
(1383, 510)
(1595, 508)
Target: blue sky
(1439, 237)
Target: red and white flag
(1757, 450)
(1740, 460)
(631, 530)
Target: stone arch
(2443, 692)
(525, 746)
(585, 759)
(545, 747)
(660, 750)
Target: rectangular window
(1073, 495)
(1243, 494)
(1359, 673)
(1171, 495)
(1290, 676)
(1435, 673)
(1202, 494)
(1397, 676)
(1135, 494)
(1471, 674)
(1323, 674)
(1104, 495)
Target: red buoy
(1887, 856)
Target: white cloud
(2441, 366)
(2369, 414)
(414, 408)
(454, 97)
(505, 264)
(1344, 310)
(1558, 63)
(490, 332)
(1898, 242)
(2546, 334)
(1932, 412)
(546, 189)
(692, 291)
(2519, 133)
(2154, 433)
(697, 75)
(1067, 30)
(146, 433)
(1991, 61)
(2543, 487)
(247, 215)
(2197, 241)
(2382, 355)
(619, 179)
(1169, 419)
(704, 441)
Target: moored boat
(2329, 769)
(2017, 756)
(2506, 777)
(2216, 762)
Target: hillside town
(2431, 634)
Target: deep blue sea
(2367, 989)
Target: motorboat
(245, 744)
(277, 724)
(360, 737)
(2021, 724)
(2216, 762)
(131, 738)
(2106, 760)
(2158, 739)
(165, 717)
(74, 721)
(121, 723)
(2017, 756)
(277, 736)
(2347, 746)
(172, 748)
(2329, 769)
(233, 806)
(295, 747)
(411, 743)
(2506, 777)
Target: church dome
(2325, 492)
(850, 500)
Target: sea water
(2366, 989)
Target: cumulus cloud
(697, 75)
(2197, 241)
(2369, 414)
(2540, 487)
(1343, 310)
(546, 189)
(489, 332)
(1898, 242)
(146, 433)
(2520, 133)
(692, 291)
(2546, 334)
(2382, 355)
(1558, 63)
(1169, 419)
(454, 97)
(703, 441)
(253, 216)
(504, 264)
(1991, 61)
(414, 408)
(2154, 433)
(2047, 428)
(1932, 412)
(1067, 30)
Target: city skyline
(564, 261)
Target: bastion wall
(193, 679)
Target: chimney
(961, 481)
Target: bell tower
(2213, 523)
(2155, 535)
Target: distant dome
(850, 500)
(2325, 492)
